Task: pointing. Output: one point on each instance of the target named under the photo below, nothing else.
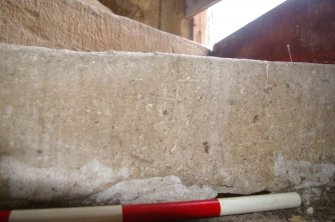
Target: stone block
(84, 25)
(105, 127)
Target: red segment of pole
(170, 211)
(4, 216)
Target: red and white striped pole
(157, 212)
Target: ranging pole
(157, 212)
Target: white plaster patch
(310, 195)
(151, 190)
(40, 184)
(303, 174)
(149, 107)
(43, 184)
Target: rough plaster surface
(93, 183)
(103, 124)
(83, 25)
(303, 174)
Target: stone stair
(109, 127)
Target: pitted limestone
(233, 125)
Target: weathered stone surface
(79, 123)
(168, 16)
(83, 25)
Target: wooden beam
(195, 6)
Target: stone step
(108, 127)
(84, 25)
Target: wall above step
(168, 16)
(88, 128)
(84, 25)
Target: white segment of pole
(79, 214)
(257, 203)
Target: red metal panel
(297, 30)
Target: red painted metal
(4, 216)
(171, 211)
(302, 29)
